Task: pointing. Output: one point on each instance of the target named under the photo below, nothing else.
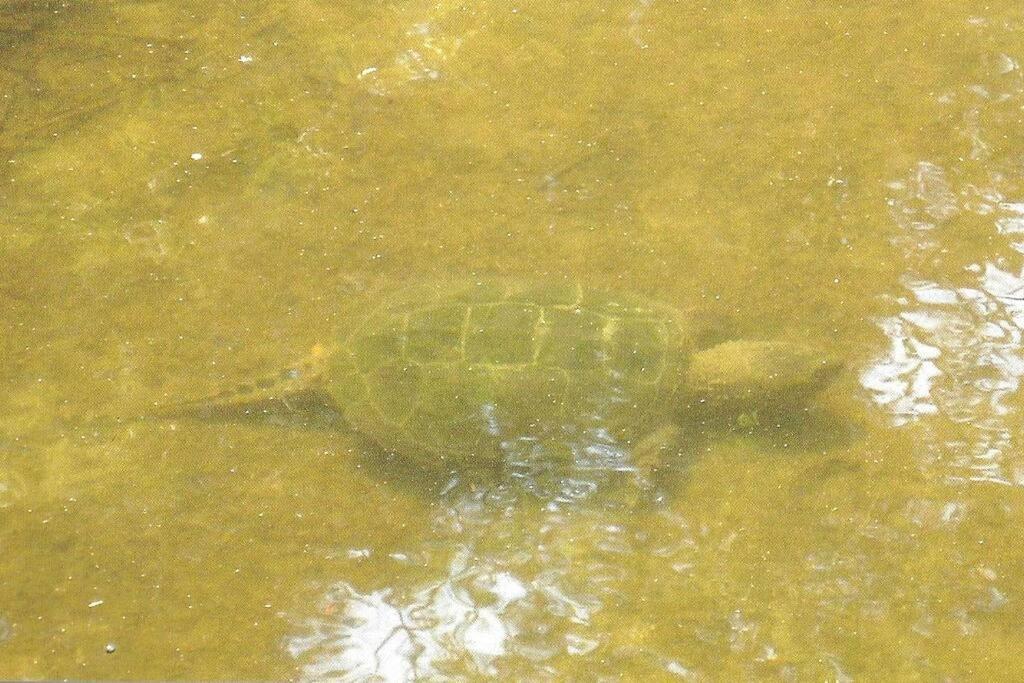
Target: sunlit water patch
(955, 343)
(373, 634)
(517, 591)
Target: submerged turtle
(503, 370)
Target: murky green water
(196, 194)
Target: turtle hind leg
(662, 460)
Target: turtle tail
(289, 391)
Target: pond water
(197, 194)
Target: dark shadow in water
(815, 444)
(415, 474)
(813, 429)
(429, 478)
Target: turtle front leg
(652, 452)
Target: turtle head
(741, 376)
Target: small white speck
(196, 156)
(245, 59)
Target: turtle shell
(485, 370)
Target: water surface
(196, 195)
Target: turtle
(500, 370)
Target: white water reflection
(954, 344)
(377, 634)
(521, 589)
(635, 29)
(954, 354)
(428, 44)
(902, 381)
(955, 348)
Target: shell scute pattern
(573, 337)
(459, 370)
(376, 348)
(503, 333)
(640, 348)
(397, 388)
(435, 334)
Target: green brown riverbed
(193, 194)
